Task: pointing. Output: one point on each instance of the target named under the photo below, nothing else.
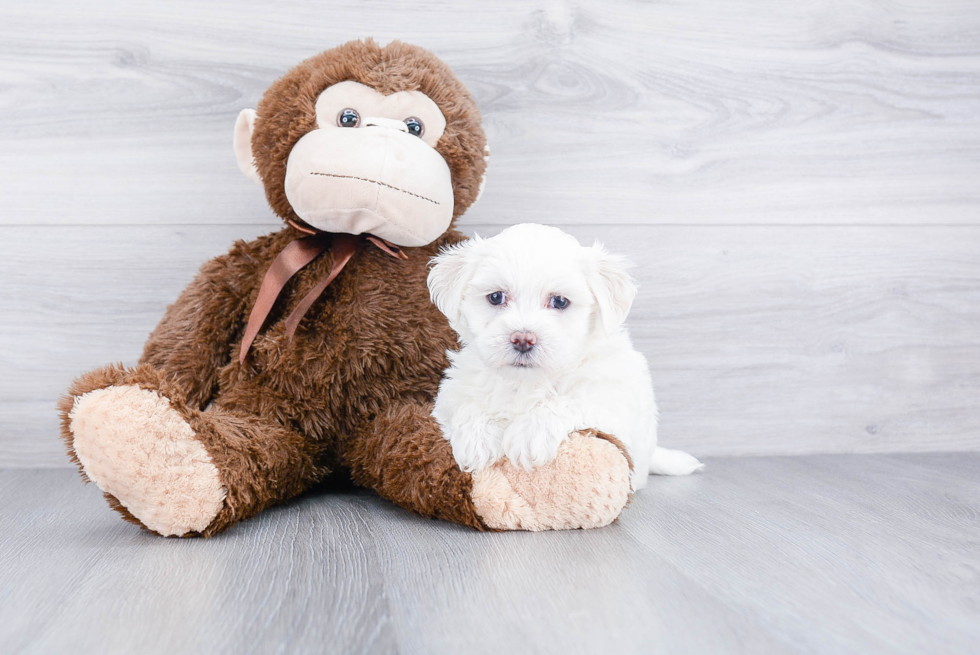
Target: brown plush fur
(297, 410)
(406, 459)
(352, 391)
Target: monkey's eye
(348, 118)
(496, 298)
(559, 302)
(415, 126)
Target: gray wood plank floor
(807, 554)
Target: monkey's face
(371, 166)
(370, 154)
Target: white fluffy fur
(582, 372)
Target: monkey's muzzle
(371, 180)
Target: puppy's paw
(533, 438)
(476, 444)
(586, 486)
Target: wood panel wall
(798, 184)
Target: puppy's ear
(452, 269)
(612, 286)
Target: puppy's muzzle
(523, 341)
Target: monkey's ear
(483, 180)
(243, 145)
(451, 272)
(612, 286)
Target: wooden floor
(815, 554)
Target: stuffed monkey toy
(315, 350)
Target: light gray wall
(799, 184)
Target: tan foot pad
(135, 446)
(587, 486)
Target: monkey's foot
(586, 486)
(138, 449)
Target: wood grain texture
(798, 185)
(120, 112)
(810, 554)
(761, 340)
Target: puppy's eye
(348, 118)
(415, 126)
(559, 302)
(496, 298)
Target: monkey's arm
(196, 335)
(403, 456)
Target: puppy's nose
(523, 341)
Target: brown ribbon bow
(293, 258)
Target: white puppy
(545, 353)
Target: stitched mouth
(384, 184)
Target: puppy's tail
(673, 462)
